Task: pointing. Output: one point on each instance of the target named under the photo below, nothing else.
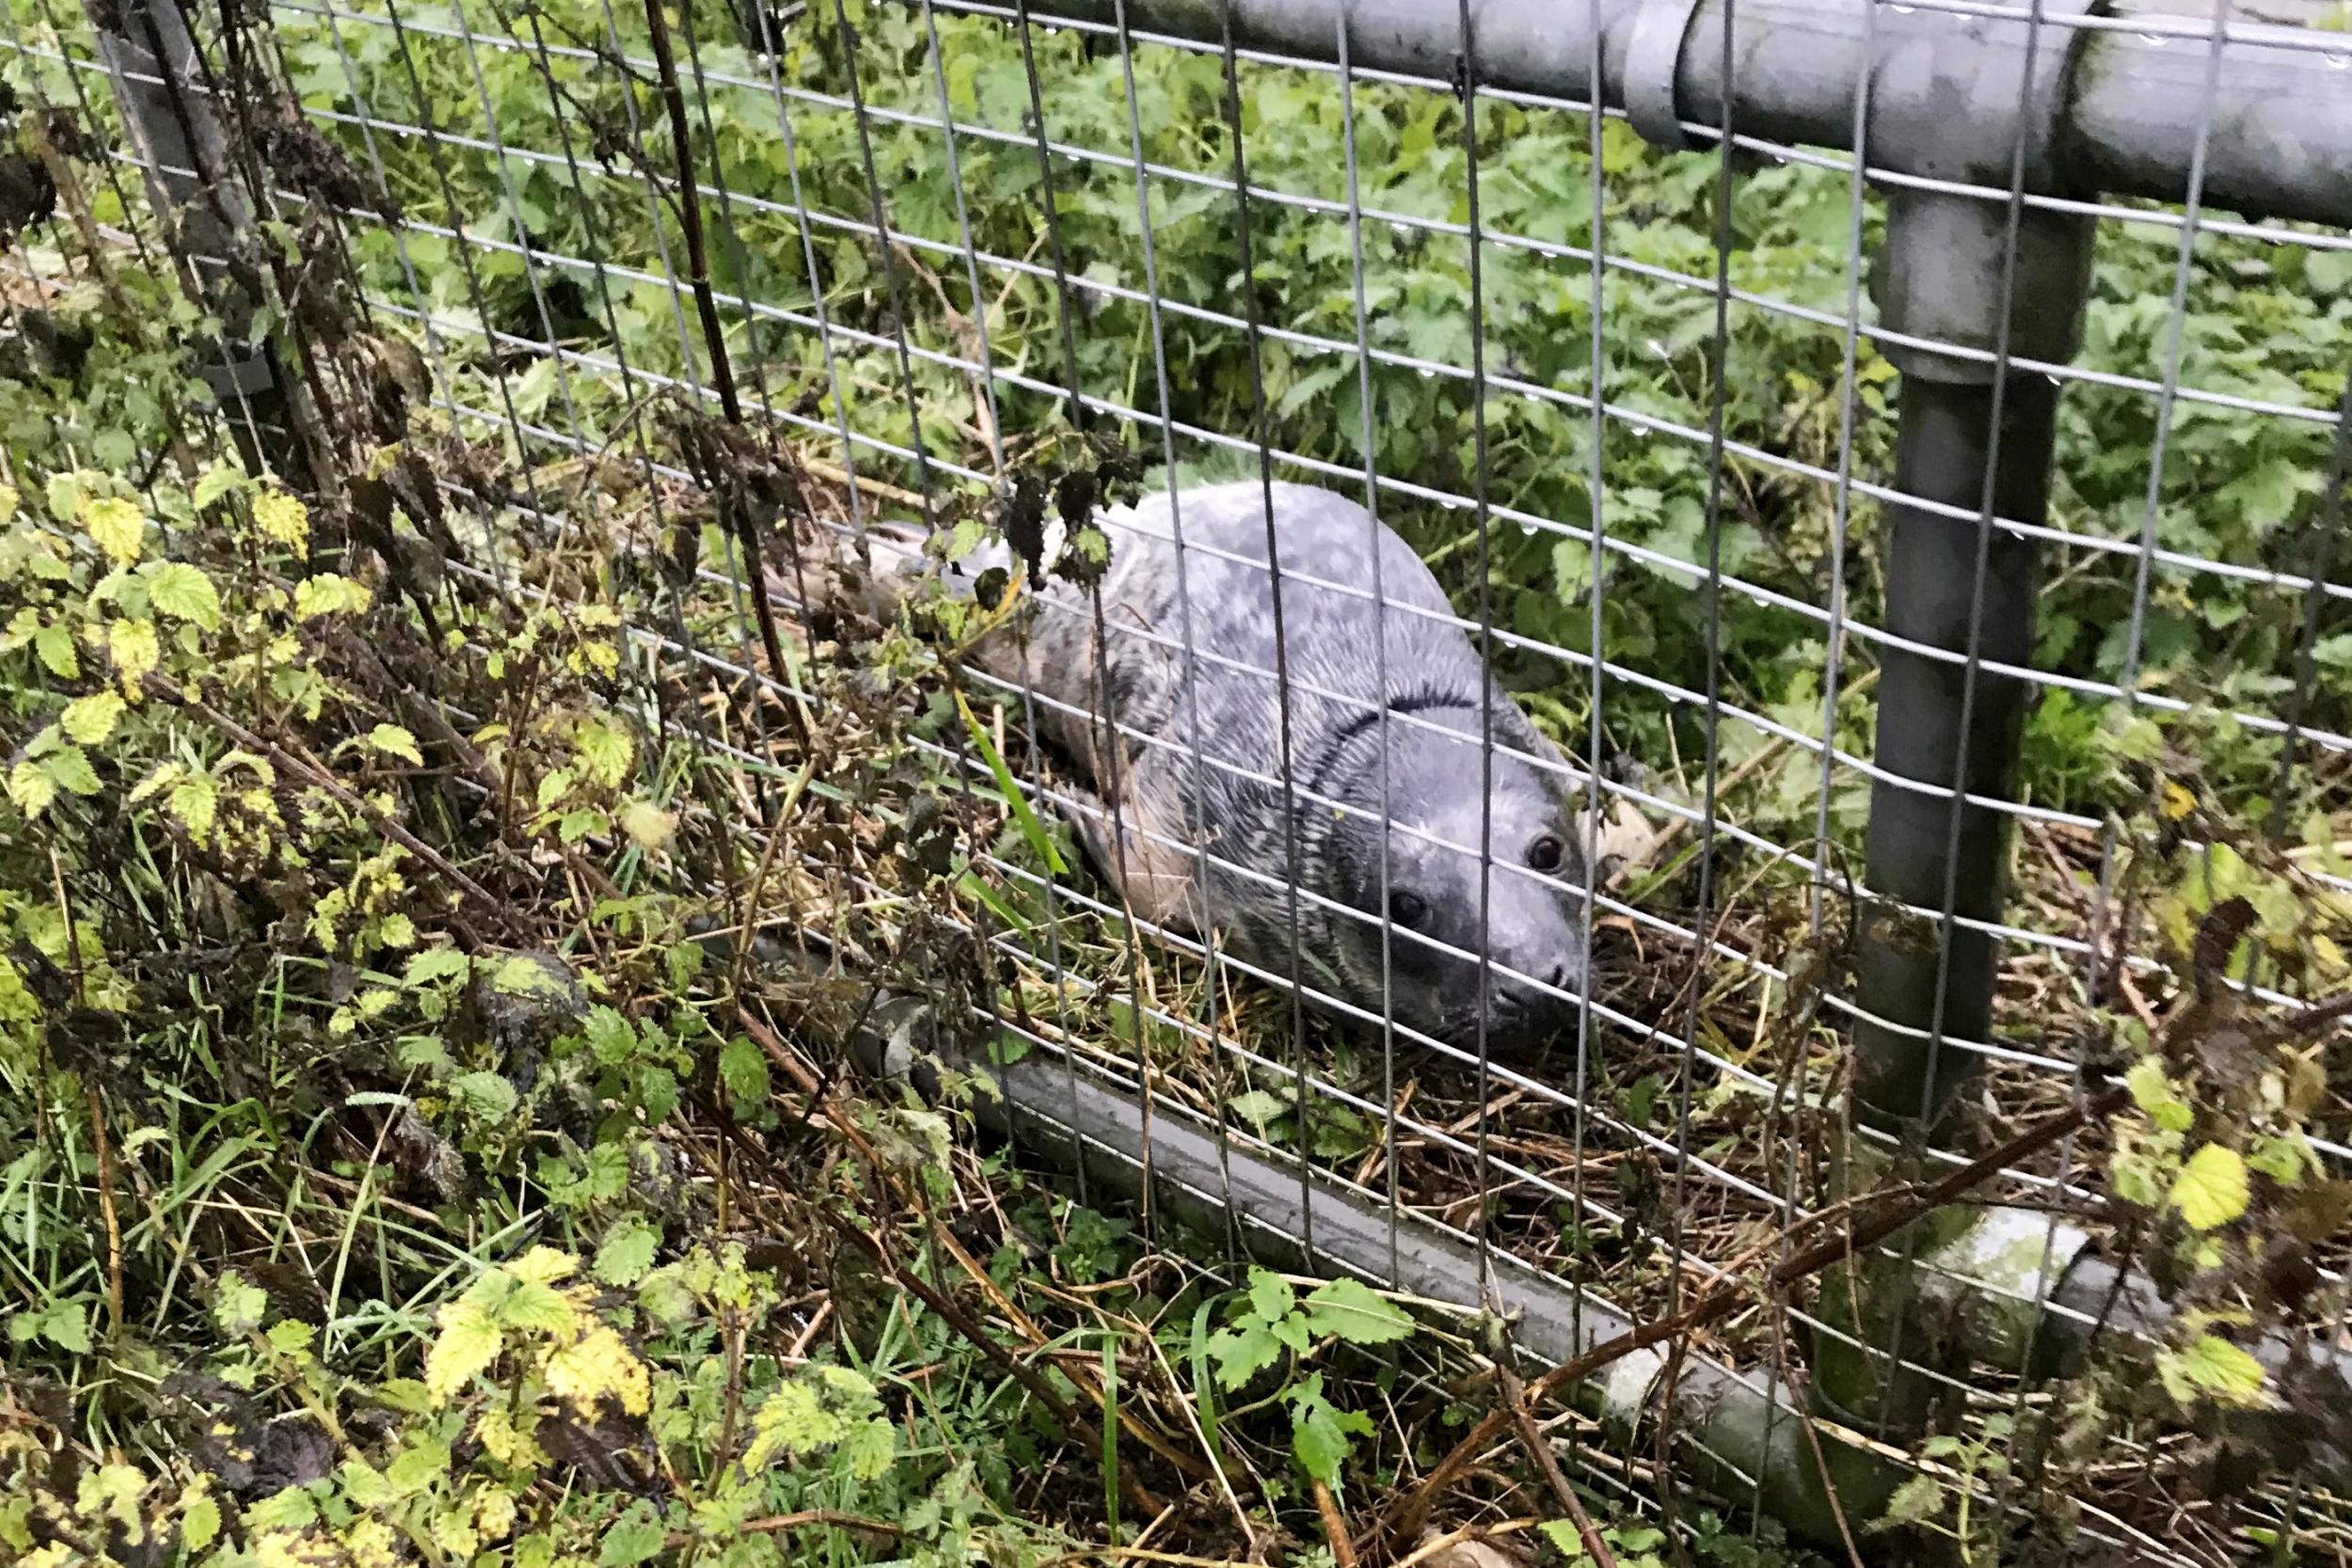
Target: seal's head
(1533, 930)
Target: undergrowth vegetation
(439, 985)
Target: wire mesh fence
(1912, 660)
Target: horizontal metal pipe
(1743, 1438)
(1945, 89)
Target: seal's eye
(1544, 854)
(1407, 909)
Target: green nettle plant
(1270, 1325)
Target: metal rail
(1943, 78)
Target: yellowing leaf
(2211, 1189)
(647, 825)
(117, 527)
(30, 790)
(468, 1344)
(543, 1266)
(90, 719)
(605, 753)
(199, 1525)
(180, 590)
(196, 804)
(598, 1365)
(494, 1512)
(135, 651)
(505, 1442)
(2212, 1366)
(284, 518)
(396, 741)
(329, 594)
(2178, 800)
(164, 775)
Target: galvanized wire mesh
(1650, 449)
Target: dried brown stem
(777, 1522)
(736, 516)
(1903, 1206)
(106, 1207)
(1335, 1528)
(1532, 1439)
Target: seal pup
(1197, 760)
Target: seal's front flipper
(1155, 878)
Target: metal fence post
(1959, 590)
(174, 130)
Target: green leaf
(66, 1325)
(363, 1484)
(1242, 1352)
(55, 647)
(1258, 1108)
(1203, 1384)
(579, 824)
(744, 1070)
(64, 495)
(290, 1336)
(535, 1308)
(2211, 1189)
(628, 1252)
(438, 964)
(1347, 1309)
(1270, 1295)
(238, 1303)
(609, 1034)
(634, 1537)
(90, 719)
(1041, 844)
(418, 1466)
(69, 767)
(2154, 1093)
(2211, 1365)
(1320, 1431)
(871, 1448)
(485, 1095)
(468, 1344)
(656, 1092)
(1563, 1534)
(217, 482)
(200, 1527)
(394, 741)
(178, 589)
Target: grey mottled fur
(1233, 715)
